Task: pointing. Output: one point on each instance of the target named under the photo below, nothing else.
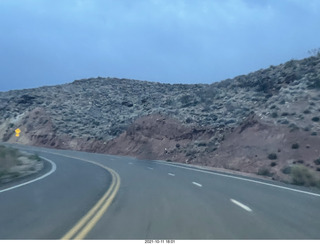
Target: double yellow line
(87, 222)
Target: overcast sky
(48, 42)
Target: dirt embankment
(267, 149)
(159, 137)
(255, 146)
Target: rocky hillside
(264, 123)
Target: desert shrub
(293, 127)
(295, 146)
(272, 156)
(189, 120)
(272, 164)
(301, 175)
(298, 162)
(34, 157)
(307, 111)
(96, 123)
(202, 144)
(314, 82)
(264, 171)
(187, 100)
(284, 122)
(282, 101)
(286, 170)
(284, 114)
(274, 115)
(315, 119)
(317, 161)
(191, 153)
(9, 152)
(314, 133)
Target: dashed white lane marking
(150, 168)
(54, 167)
(244, 179)
(197, 184)
(241, 205)
(171, 174)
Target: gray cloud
(52, 42)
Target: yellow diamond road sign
(18, 131)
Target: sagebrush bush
(272, 156)
(274, 115)
(295, 146)
(317, 161)
(286, 170)
(301, 175)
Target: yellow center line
(89, 215)
(87, 222)
(98, 215)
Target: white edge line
(149, 168)
(241, 205)
(197, 184)
(171, 174)
(53, 169)
(239, 178)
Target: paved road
(156, 200)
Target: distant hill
(265, 122)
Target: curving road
(96, 196)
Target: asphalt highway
(96, 196)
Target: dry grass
(8, 158)
(301, 175)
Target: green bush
(295, 146)
(301, 175)
(272, 164)
(272, 156)
(315, 119)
